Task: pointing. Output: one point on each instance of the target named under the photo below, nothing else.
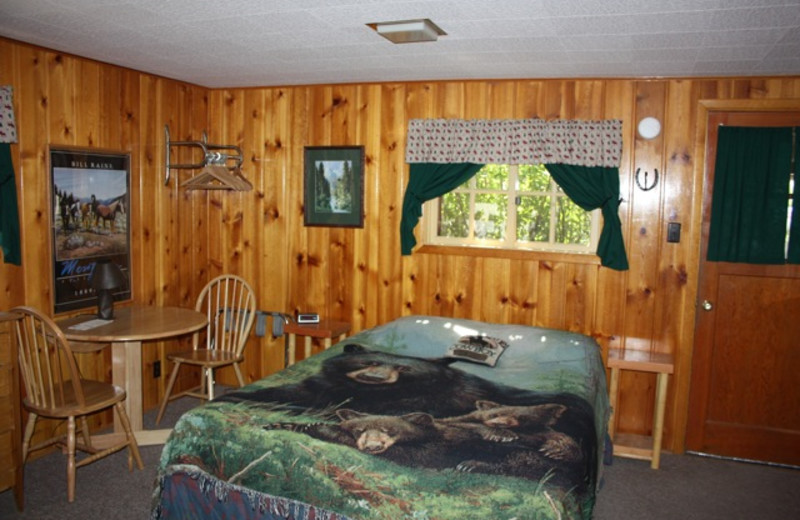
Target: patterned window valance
(8, 128)
(515, 141)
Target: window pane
(533, 177)
(479, 213)
(490, 215)
(533, 219)
(492, 177)
(573, 224)
(454, 215)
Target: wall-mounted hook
(646, 186)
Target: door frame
(684, 364)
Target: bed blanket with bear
(422, 418)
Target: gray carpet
(686, 487)
(690, 487)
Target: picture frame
(334, 186)
(89, 222)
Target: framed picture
(89, 199)
(334, 186)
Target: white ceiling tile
(282, 42)
(781, 52)
(745, 36)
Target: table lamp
(106, 277)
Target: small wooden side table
(634, 446)
(325, 329)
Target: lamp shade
(106, 277)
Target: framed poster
(90, 193)
(334, 186)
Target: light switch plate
(674, 232)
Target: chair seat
(208, 357)
(98, 395)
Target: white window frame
(430, 221)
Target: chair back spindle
(47, 365)
(229, 304)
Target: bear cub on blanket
(500, 440)
(529, 446)
(526, 425)
(413, 439)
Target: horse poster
(90, 194)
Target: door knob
(707, 305)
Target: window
(511, 207)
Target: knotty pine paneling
(358, 275)
(61, 100)
(181, 239)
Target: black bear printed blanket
(387, 425)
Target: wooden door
(745, 384)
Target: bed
(423, 417)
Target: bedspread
(423, 417)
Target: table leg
(612, 398)
(307, 341)
(292, 349)
(126, 372)
(658, 423)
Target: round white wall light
(649, 128)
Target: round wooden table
(125, 332)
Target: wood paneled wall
(181, 239)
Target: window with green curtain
(427, 181)
(592, 187)
(589, 187)
(445, 153)
(749, 208)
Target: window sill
(512, 254)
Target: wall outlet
(156, 369)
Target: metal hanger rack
(219, 170)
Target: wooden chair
(55, 389)
(229, 303)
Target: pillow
(477, 349)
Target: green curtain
(592, 187)
(751, 190)
(794, 236)
(427, 181)
(9, 215)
